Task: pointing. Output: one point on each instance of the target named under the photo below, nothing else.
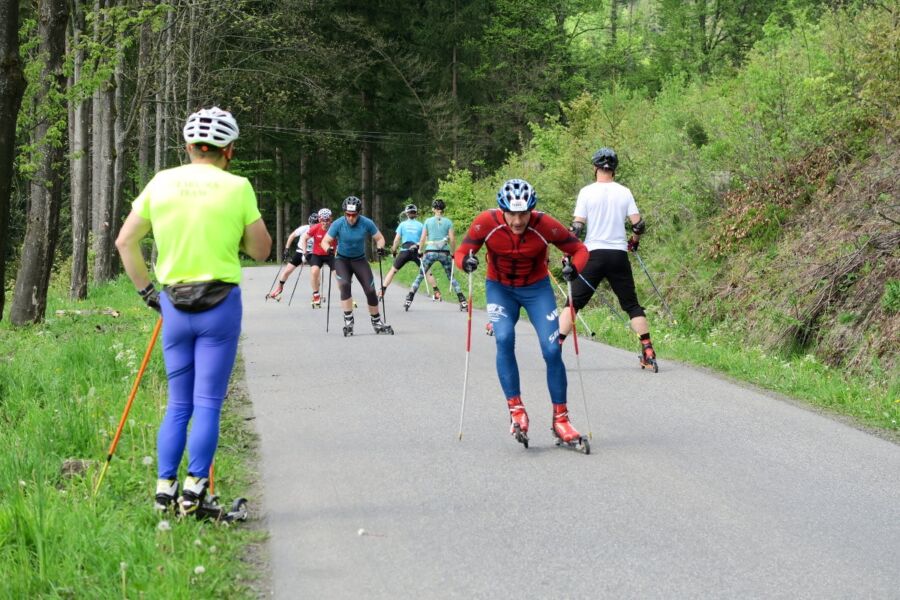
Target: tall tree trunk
(96, 130)
(41, 233)
(143, 134)
(377, 206)
(104, 194)
(119, 180)
(613, 23)
(305, 200)
(12, 86)
(80, 168)
(280, 224)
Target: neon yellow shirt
(198, 213)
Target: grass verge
(63, 387)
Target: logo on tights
(552, 315)
(496, 312)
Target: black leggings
(345, 268)
(614, 266)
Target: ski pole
(656, 289)
(462, 411)
(212, 477)
(299, 273)
(328, 308)
(578, 360)
(277, 273)
(134, 389)
(559, 287)
(424, 274)
(381, 283)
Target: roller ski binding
(195, 502)
(380, 327)
(436, 296)
(276, 293)
(408, 301)
(648, 356)
(518, 420)
(489, 329)
(348, 325)
(166, 495)
(463, 305)
(566, 435)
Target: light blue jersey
(410, 231)
(352, 239)
(438, 229)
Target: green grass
(873, 402)
(63, 387)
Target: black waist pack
(197, 297)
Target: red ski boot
(518, 420)
(276, 293)
(566, 434)
(648, 356)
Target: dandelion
(147, 460)
(22, 483)
(212, 549)
(199, 570)
(198, 542)
(164, 526)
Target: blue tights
(503, 304)
(199, 351)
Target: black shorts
(297, 258)
(405, 256)
(615, 267)
(317, 260)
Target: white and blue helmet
(516, 195)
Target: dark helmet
(438, 204)
(314, 218)
(516, 195)
(351, 204)
(605, 158)
(411, 208)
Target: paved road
(696, 487)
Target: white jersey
(605, 206)
(298, 233)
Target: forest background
(758, 137)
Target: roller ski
(648, 356)
(316, 300)
(166, 495)
(380, 327)
(348, 325)
(566, 435)
(518, 420)
(195, 502)
(408, 301)
(276, 293)
(463, 305)
(436, 296)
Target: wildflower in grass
(198, 542)
(199, 570)
(164, 526)
(147, 460)
(213, 549)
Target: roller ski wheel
(348, 330)
(408, 301)
(276, 296)
(211, 510)
(316, 301)
(521, 436)
(383, 330)
(581, 444)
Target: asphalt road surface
(695, 488)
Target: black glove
(569, 272)
(285, 255)
(470, 263)
(150, 296)
(393, 252)
(633, 244)
(306, 257)
(380, 252)
(331, 251)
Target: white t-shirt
(298, 233)
(605, 206)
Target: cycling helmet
(212, 126)
(516, 195)
(352, 204)
(411, 208)
(605, 158)
(313, 218)
(324, 214)
(438, 204)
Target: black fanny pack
(197, 297)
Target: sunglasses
(349, 214)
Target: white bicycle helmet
(324, 214)
(212, 126)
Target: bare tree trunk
(41, 233)
(305, 200)
(189, 72)
(144, 61)
(96, 131)
(377, 206)
(118, 190)
(104, 194)
(280, 224)
(79, 166)
(12, 86)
